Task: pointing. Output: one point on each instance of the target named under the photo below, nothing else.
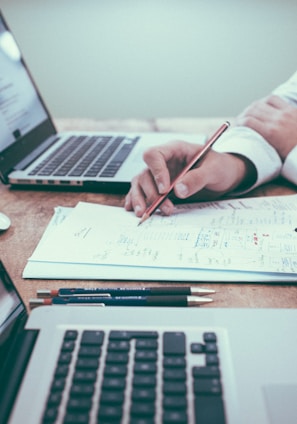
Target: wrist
(246, 172)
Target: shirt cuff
(248, 143)
(289, 169)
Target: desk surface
(31, 210)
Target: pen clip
(83, 304)
(86, 295)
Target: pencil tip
(144, 217)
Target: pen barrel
(123, 301)
(125, 291)
(183, 291)
(167, 301)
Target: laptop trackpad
(281, 403)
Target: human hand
(275, 119)
(217, 174)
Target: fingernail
(181, 189)
(138, 210)
(161, 188)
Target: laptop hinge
(15, 367)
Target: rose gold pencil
(199, 156)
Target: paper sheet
(244, 239)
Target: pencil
(199, 156)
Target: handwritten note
(245, 235)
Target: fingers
(164, 164)
(142, 193)
(156, 161)
(262, 111)
(217, 173)
(276, 102)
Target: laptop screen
(12, 311)
(12, 320)
(21, 109)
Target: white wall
(149, 58)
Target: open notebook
(134, 365)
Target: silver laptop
(33, 153)
(145, 365)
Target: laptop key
(210, 337)
(174, 374)
(87, 363)
(89, 351)
(209, 410)
(144, 380)
(115, 370)
(142, 409)
(84, 376)
(50, 415)
(174, 362)
(174, 343)
(174, 402)
(82, 390)
(211, 386)
(177, 417)
(142, 355)
(143, 395)
(118, 346)
(112, 397)
(174, 388)
(92, 338)
(76, 418)
(111, 413)
(79, 404)
(129, 335)
(206, 372)
(117, 358)
(212, 359)
(113, 383)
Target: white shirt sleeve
(288, 91)
(248, 143)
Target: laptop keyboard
(96, 156)
(137, 377)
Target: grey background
(154, 58)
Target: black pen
(126, 291)
(123, 301)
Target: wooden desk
(31, 210)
